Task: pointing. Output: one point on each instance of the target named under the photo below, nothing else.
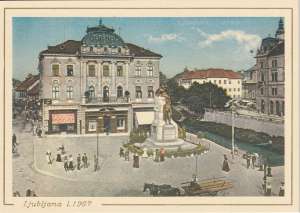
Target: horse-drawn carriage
(209, 187)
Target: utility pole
(232, 129)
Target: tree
(162, 79)
(210, 95)
(177, 93)
(195, 103)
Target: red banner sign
(66, 118)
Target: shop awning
(63, 118)
(144, 118)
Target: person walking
(253, 161)
(48, 157)
(156, 157)
(162, 154)
(66, 165)
(58, 157)
(14, 143)
(85, 161)
(78, 162)
(248, 161)
(121, 152)
(225, 164)
(71, 164)
(136, 161)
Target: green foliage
(176, 115)
(162, 79)
(242, 135)
(210, 95)
(185, 152)
(133, 149)
(137, 136)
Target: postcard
(149, 106)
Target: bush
(137, 136)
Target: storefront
(62, 121)
(106, 120)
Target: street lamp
(233, 108)
(97, 158)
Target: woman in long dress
(225, 164)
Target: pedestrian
(58, 157)
(66, 165)
(156, 157)
(253, 161)
(281, 189)
(248, 161)
(78, 162)
(225, 164)
(135, 161)
(71, 164)
(95, 163)
(121, 152)
(127, 155)
(28, 193)
(14, 143)
(86, 161)
(162, 154)
(48, 157)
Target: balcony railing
(96, 100)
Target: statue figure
(167, 108)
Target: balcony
(106, 100)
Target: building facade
(270, 74)
(97, 84)
(229, 80)
(249, 84)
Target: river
(274, 158)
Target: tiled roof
(211, 73)
(277, 50)
(141, 52)
(67, 47)
(24, 85)
(72, 47)
(35, 90)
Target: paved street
(116, 176)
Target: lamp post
(232, 129)
(97, 155)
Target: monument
(164, 130)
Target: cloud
(165, 37)
(248, 41)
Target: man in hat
(78, 162)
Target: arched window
(55, 91)
(262, 107)
(70, 92)
(105, 94)
(277, 105)
(282, 108)
(92, 91)
(119, 92)
(271, 107)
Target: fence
(274, 128)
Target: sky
(192, 42)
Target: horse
(161, 190)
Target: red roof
(24, 85)
(211, 73)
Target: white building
(229, 80)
